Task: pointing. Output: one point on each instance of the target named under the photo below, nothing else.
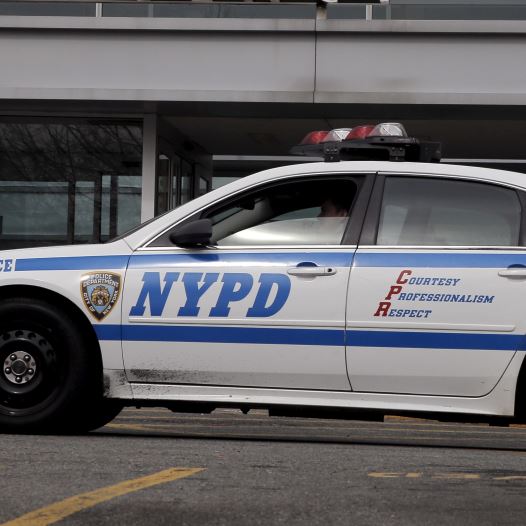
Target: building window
(187, 182)
(68, 181)
(163, 184)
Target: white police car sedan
(361, 287)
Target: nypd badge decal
(100, 292)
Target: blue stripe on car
(436, 340)
(301, 336)
(438, 260)
(337, 259)
(213, 334)
(72, 263)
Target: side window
(312, 212)
(426, 211)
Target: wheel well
(520, 393)
(59, 301)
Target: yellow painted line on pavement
(390, 420)
(219, 427)
(439, 476)
(64, 508)
(415, 475)
(394, 475)
(457, 476)
(133, 427)
(220, 432)
(409, 424)
(386, 475)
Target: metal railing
(303, 9)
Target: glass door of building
(175, 181)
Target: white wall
(241, 60)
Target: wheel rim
(31, 370)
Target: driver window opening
(312, 212)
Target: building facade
(114, 112)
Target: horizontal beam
(493, 27)
(272, 61)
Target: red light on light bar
(360, 132)
(383, 141)
(314, 137)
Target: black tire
(51, 380)
(99, 415)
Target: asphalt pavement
(151, 466)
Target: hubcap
(31, 370)
(20, 367)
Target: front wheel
(50, 378)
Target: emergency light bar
(387, 141)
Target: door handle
(513, 272)
(310, 269)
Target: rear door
(437, 293)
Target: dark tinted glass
(442, 212)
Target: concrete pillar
(149, 163)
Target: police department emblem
(100, 292)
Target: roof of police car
(142, 235)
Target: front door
(263, 307)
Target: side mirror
(196, 233)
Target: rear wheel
(50, 379)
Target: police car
(351, 287)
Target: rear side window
(442, 212)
